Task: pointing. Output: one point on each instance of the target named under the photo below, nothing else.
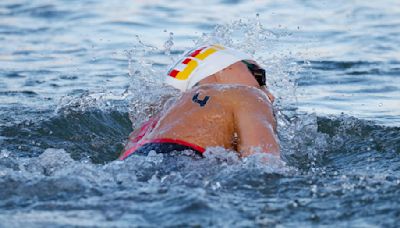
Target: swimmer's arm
(132, 140)
(139, 133)
(255, 126)
(146, 128)
(134, 134)
(271, 98)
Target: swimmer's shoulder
(235, 93)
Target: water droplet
(169, 43)
(295, 203)
(314, 188)
(4, 153)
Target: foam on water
(54, 180)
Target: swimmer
(224, 103)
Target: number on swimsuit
(200, 102)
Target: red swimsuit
(161, 145)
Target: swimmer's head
(245, 72)
(210, 60)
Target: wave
(333, 158)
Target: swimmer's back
(217, 115)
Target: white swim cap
(201, 62)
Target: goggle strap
(257, 72)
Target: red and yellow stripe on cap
(191, 61)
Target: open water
(77, 76)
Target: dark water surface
(77, 76)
